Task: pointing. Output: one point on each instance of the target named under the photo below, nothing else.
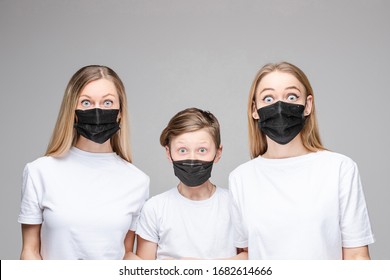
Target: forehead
(99, 88)
(279, 81)
(201, 136)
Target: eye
(182, 150)
(202, 150)
(292, 97)
(268, 99)
(85, 103)
(108, 103)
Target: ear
(309, 105)
(218, 154)
(168, 153)
(118, 119)
(255, 115)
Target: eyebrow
(266, 89)
(185, 143)
(291, 87)
(108, 94)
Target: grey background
(174, 54)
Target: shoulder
(49, 162)
(222, 192)
(168, 195)
(163, 197)
(243, 168)
(157, 202)
(43, 160)
(222, 195)
(336, 159)
(41, 163)
(138, 172)
(131, 170)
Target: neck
(89, 146)
(202, 192)
(292, 149)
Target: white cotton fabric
(305, 207)
(187, 228)
(86, 203)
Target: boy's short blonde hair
(190, 120)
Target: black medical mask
(96, 124)
(281, 121)
(192, 172)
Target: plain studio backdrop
(174, 54)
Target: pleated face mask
(281, 121)
(191, 172)
(96, 124)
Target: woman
(191, 220)
(82, 199)
(295, 199)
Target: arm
(31, 238)
(357, 253)
(146, 250)
(242, 254)
(129, 246)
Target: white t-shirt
(187, 228)
(86, 203)
(305, 207)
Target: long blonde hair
(64, 135)
(310, 134)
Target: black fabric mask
(96, 124)
(281, 121)
(192, 172)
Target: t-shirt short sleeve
(240, 232)
(354, 220)
(145, 195)
(147, 226)
(30, 210)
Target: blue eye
(292, 97)
(268, 99)
(85, 103)
(108, 103)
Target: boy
(191, 220)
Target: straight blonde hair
(65, 135)
(310, 134)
